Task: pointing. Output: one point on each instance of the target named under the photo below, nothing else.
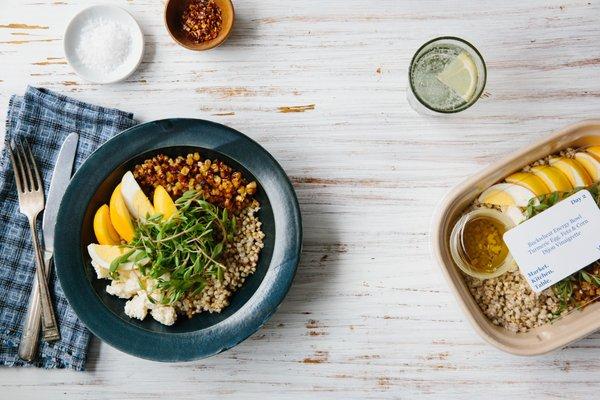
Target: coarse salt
(104, 45)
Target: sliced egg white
(101, 272)
(506, 194)
(103, 255)
(124, 289)
(138, 204)
(515, 214)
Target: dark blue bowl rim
(181, 346)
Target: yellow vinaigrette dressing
(477, 245)
(482, 243)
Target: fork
(31, 202)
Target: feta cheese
(132, 284)
(156, 298)
(124, 289)
(116, 288)
(151, 284)
(128, 285)
(136, 307)
(166, 315)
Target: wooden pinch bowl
(174, 10)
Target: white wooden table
(369, 315)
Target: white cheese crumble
(166, 315)
(142, 292)
(124, 288)
(127, 286)
(136, 307)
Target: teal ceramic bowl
(204, 334)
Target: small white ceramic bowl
(110, 13)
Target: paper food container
(575, 325)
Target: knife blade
(60, 180)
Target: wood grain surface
(322, 85)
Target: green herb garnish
(184, 250)
(541, 203)
(114, 265)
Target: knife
(60, 180)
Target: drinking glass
(446, 75)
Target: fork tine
(38, 180)
(20, 161)
(26, 164)
(15, 167)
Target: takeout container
(543, 339)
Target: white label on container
(557, 242)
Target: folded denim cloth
(44, 118)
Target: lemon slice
(506, 194)
(590, 163)
(574, 171)
(553, 178)
(460, 76)
(529, 181)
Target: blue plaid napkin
(44, 118)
